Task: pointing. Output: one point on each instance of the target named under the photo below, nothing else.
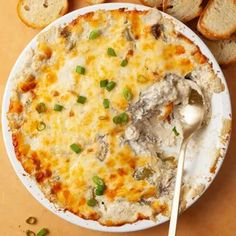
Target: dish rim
(31, 185)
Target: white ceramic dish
(196, 169)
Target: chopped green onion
(30, 233)
(175, 131)
(111, 52)
(31, 220)
(123, 118)
(124, 63)
(97, 180)
(92, 202)
(80, 70)
(117, 120)
(81, 99)
(100, 190)
(41, 126)
(127, 94)
(103, 83)
(42, 232)
(41, 107)
(94, 34)
(111, 85)
(106, 103)
(58, 107)
(76, 148)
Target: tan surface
(214, 214)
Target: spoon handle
(178, 183)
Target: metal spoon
(191, 118)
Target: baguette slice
(39, 13)
(152, 3)
(223, 50)
(92, 2)
(218, 20)
(184, 10)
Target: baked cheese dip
(94, 112)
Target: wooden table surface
(214, 214)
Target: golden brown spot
(55, 93)
(179, 49)
(66, 194)
(56, 188)
(129, 54)
(46, 50)
(110, 163)
(39, 176)
(29, 84)
(71, 113)
(110, 193)
(93, 216)
(103, 118)
(82, 201)
(48, 173)
(151, 192)
(167, 111)
(200, 58)
(121, 171)
(15, 107)
(112, 176)
(51, 78)
(90, 150)
(116, 131)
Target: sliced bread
(92, 2)
(39, 13)
(218, 20)
(184, 10)
(152, 3)
(224, 50)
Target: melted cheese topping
(65, 176)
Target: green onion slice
(127, 94)
(117, 120)
(41, 126)
(76, 148)
(103, 83)
(94, 34)
(124, 63)
(81, 99)
(106, 103)
(111, 85)
(97, 180)
(31, 220)
(42, 232)
(100, 190)
(123, 118)
(80, 70)
(58, 107)
(41, 107)
(111, 52)
(92, 202)
(175, 131)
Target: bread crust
(92, 2)
(206, 32)
(166, 3)
(35, 26)
(146, 3)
